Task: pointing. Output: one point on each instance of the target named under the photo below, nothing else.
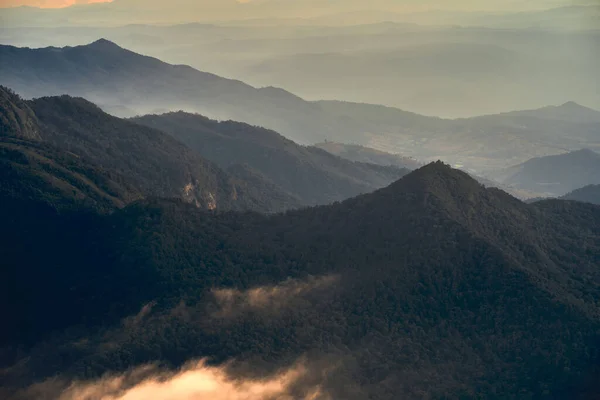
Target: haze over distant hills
(588, 194)
(446, 71)
(366, 154)
(555, 175)
(126, 83)
(442, 73)
(308, 173)
(113, 77)
(480, 144)
(569, 111)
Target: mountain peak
(586, 153)
(104, 44)
(578, 110)
(441, 191)
(569, 111)
(437, 166)
(587, 194)
(572, 105)
(453, 188)
(440, 180)
(439, 170)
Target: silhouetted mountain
(111, 76)
(125, 83)
(251, 183)
(308, 173)
(432, 287)
(587, 194)
(366, 154)
(73, 131)
(570, 111)
(555, 175)
(363, 154)
(482, 144)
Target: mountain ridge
(145, 85)
(74, 131)
(307, 173)
(555, 174)
(433, 259)
(180, 86)
(569, 110)
(588, 194)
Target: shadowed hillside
(368, 155)
(74, 132)
(308, 173)
(434, 286)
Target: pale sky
(450, 4)
(46, 3)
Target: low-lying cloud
(269, 298)
(197, 381)
(236, 380)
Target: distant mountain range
(480, 144)
(361, 153)
(366, 154)
(432, 286)
(587, 194)
(115, 78)
(126, 84)
(568, 112)
(444, 72)
(555, 175)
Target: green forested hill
(228, 165)
(16, 118)
(34, 170)
(434, 287)
(152, 162)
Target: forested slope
(434, 286)
(308, 173)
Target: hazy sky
(46, 3)
(447, 4)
